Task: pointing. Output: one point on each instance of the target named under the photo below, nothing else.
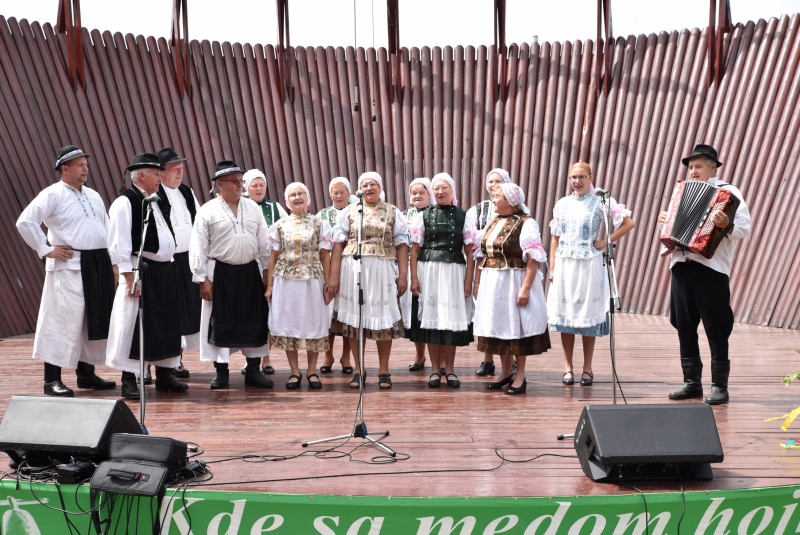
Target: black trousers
(700, 293)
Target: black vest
(444, 239)
(186, 191)
(135, 196)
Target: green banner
(37, 509)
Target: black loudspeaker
(63, 427)
(648, 442)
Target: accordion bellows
(689, 223)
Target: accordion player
(689, 222)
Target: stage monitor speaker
(63, 427)
(648, 442)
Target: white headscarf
(248, 177)
(425, 181)
(447, 178)
(340, 180)
(502, 172)
(514, 195)
(370, 175)
(292, 186)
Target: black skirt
(239, 316)
(189, 293)
(98, 291)
(162, 325)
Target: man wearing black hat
(700, 290)
(184, 205)
(160, 300)
(228, 237)
(78, 288)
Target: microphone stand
(360, 428)
(608, 257)
(141, 267)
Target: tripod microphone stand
(360, 428)
(141, 267)
(608, 257)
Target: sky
(422, 22)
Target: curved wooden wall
(443, 118)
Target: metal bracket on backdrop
(393, 72)
(499, 66)
(180, 46)
(284, 65)
(715, 46)
(604, 55)
(69, 22)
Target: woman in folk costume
(579, 297)
(478, 217)
(299, 264)
(441, 275)
(255, 188)
(339, 190)
(510, 310)
(384, 250)
(421, 197)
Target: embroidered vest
(135, 196)
(444, 235)
(186, 191)
(376, 236)
(501, 244)
(270, 211)
(482, 212)
(329, 214)
(299, 254)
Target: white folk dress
(578, 299)
(298, 316)
(384, 229)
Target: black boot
(692, 380)
(180, 371)
(88, 379)
(130, 389)
(253, 375)
(166, 382)
(52, 382)
(220, 379)
(148, 377)
(719, 383)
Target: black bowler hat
(65, 154)
(168, 155)
(226, 167)
(144, 160)
(706, 151)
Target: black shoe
(568, 378)
(417, 366)
(718, 395)
(316, 384)
(454, 382)
(130, 390)
(486, 368)
(687, 391)
(587, 381)
(385, 380)
(256, 378)
(166, 382)
(294, 385)
(148, 378)
(267, 370)
(220, 379)
(181, 372)
(244, 370)
(501, 383)
(435, 383)
(93, 381)
(514, 391)
(58, 389)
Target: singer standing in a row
(384, 249)
(578, 301)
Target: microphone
(151, 198)
(600, 192)
(360, 194)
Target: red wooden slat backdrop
(439, 115)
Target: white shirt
(120, 246)
(234, 238)
(180, 218)
(74, 218)
(723, 256)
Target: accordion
(689, 223)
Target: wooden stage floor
(450, 435)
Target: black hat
(144, 160)
(226, 167)
(168, 155)
(706, 151)
(65, 154)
